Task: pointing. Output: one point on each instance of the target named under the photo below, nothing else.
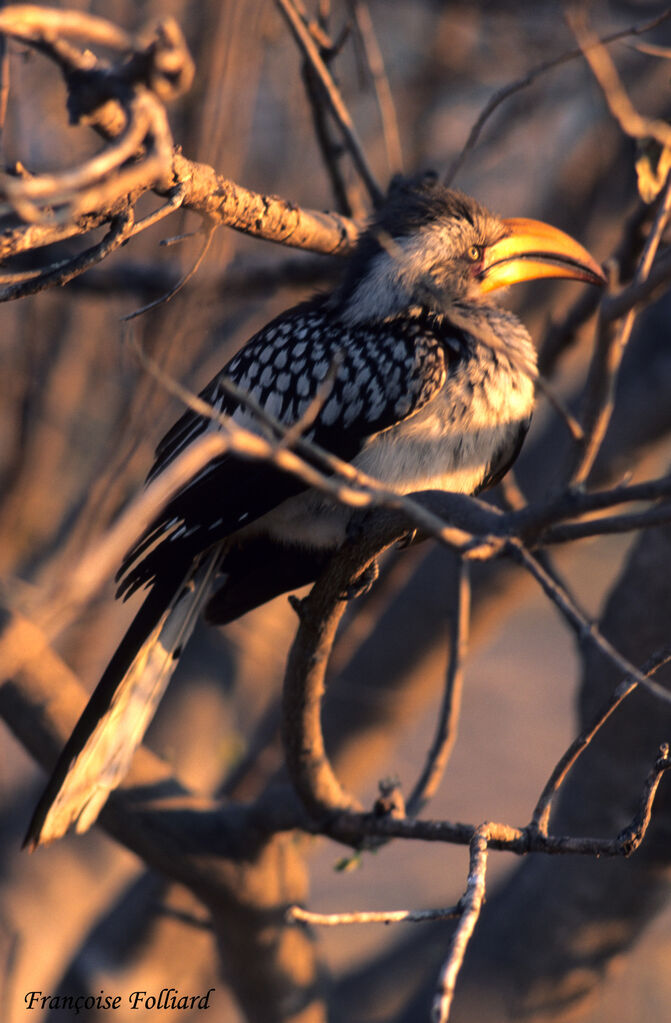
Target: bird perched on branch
(423, 382)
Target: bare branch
(139, 155)
(306, 759)
(268, 217)
(611, 344)
(184, 279)
(471, 902)
(31, 22)
(385, 916)
(121, 228)
(338, 108)
(385, 100)
(584, 629)
(607, 525)
(541, 814)
(522, 83)
(448, 718)
(630, 121)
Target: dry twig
(522, 83)
(339, 110)
(471, 903)
(385, 916)
(448, 716)
(541, 814)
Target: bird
(419, 379)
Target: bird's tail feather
(112, 726)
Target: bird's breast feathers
(452, 443)
(456, 442)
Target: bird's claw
(362, 583)
(408, 540)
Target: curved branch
(523, 83)
(446, 729)
(339, 110)
(124, 104)
(120, 229)
(306, 759)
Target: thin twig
(609, 352)
(184, 279)
(541, 814)
(64, 271)
(471, 903)
(314, 406)
(638, 291)
(174, 200)
(4, 82)
(386, 916)
(608, 525)
(448, 719)
(378, 74)
(356, 829)
(522, 83)
(630, 121)
(633, 834)
(585, 630)
(338, 108)
(560, 407)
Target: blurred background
(79, 419)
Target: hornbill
(432, 388)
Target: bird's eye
(474, 253)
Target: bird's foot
(408, 540)
(362, 583)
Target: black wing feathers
(385, 372)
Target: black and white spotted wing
(385, 373)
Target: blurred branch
(561, 335)
(331, 151)
(608, 525)
(4, 83)
(340, 112)
(609, 351)
(448, 717)
(31, 23)
(217, 852)
(120, 229)
(630, 121)
(522, 83)
(385, 916)
(123, 102)
(141, 278)
(385, 100)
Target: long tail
(113, 723)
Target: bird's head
(430, 246)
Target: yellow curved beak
(532, 249)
